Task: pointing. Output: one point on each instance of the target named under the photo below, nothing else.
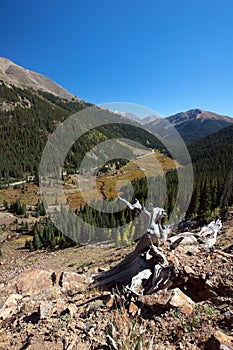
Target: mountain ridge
(193, 124)
(12, 73)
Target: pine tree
(205, 202)
(36, 242)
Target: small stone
(133, 309)
(106, 293)
(72, 309)
(188, 270)
(171, 257)
(228, 315)
(110, 301)
(10, 306)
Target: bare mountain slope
(21, 77)
(193, 124)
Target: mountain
(21, 77)
(213, 154)
(130, 116)
(212, 159)
(194, 124)
(149, 119)
(28, 116)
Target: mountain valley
(48, 299)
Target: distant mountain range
(32, 100)
(31, 107)
(191, 125)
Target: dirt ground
(106, 321)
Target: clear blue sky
(169, 55)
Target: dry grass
(153, 164)
(29, 196)
(123, 333)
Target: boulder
(72, 282)
(46, 284)
(164, 299)
(35, 282)
(11, 306)
(179, 299)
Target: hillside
(213, 154)
(28, 117)
(46, 301)
(212, 159)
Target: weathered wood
(144, 256)
(146, 269)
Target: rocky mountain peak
(18, 76)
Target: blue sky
(168, 55)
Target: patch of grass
(29, 197)
(152, 165)
(124, 334)
(72, 265)
(85, 264)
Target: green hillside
(28, 117)
(212, 159)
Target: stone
(188, 270)
(171, 257)
(33, 282)
(133, 309)
(72, 310)
(11, 306)
(220, 341)
(72, 282)
(179, 299)
(169, 298)
(43, 309)
(110, 301)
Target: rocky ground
(47, 300)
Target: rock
(169, 298)
(179, 299)
(109, 301)
(171, 257)
(34, 282)
(188, 270)
(164, 297)
(72, 310)
(220, 341)
(43, 309)
(133, 309)
(228, 316)
(10, 306)
(71, 282)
